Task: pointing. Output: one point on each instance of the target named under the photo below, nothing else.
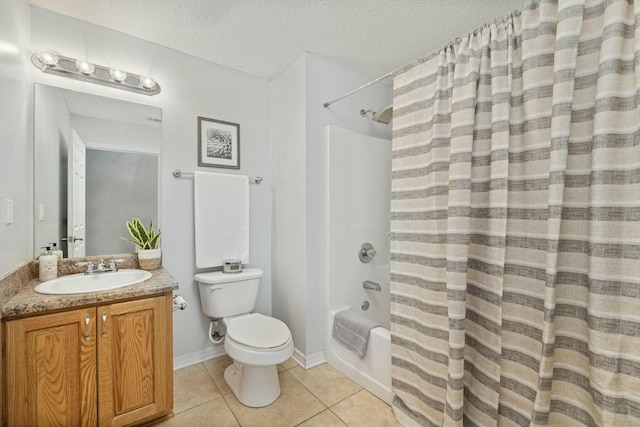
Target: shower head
(383, 116)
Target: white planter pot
(149, 259)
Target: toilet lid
(256, 330)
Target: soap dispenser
(54, 250)
(48, 265)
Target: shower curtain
(515, 223)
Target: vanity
(86, 359)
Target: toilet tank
(230, 294)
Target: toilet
(255, 342)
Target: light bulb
(147, 82)
(85, 67)
(117, 75)
(47, 57)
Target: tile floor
(320, 396)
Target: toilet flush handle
(215, 288)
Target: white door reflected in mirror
(76, 225)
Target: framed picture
(218, 143)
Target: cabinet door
(51, 370)
(135, 361)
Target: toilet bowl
(255, 342)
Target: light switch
(9, 211)
(41, 212)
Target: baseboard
(315, 359)
(306, 362)
(197, 357)
(310, 361)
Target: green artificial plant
(141, 236)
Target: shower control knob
(366, 253)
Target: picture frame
(218, 143)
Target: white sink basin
(83, 283)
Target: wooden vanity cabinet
(110, 365)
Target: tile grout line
(323, 404)
(317, 397)
(325, 407)
(201, 403)
(231, 410)
(338, 417)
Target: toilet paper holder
(179, 303)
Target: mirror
(97, 165)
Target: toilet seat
(254, 339)
(258, 332)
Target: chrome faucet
(102, 268)
(90, 267)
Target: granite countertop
(27, 302)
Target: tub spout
(368, 284)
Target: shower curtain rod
(326, 104)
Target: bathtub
(373, 372)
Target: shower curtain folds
(515, 223)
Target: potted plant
(146, 240)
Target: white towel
(221, 209)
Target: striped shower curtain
(515, 223)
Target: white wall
(117, 135)
(190, 88)
(15, 140)
(299, 164)
(289, 222)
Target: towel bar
(179, 174)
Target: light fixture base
(66, 67)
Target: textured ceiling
(262, 37)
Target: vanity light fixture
(85, 67)
(51, 62)
(117, 75)
(147, 82)
(47, 57)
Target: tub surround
(18, 298)
(351, 155)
